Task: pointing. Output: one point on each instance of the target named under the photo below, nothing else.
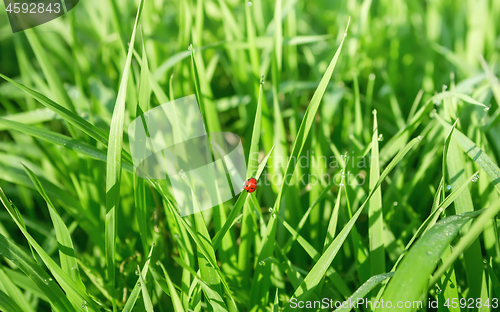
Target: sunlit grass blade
(73, 291)
(67, 255)
(317, 272)
(261, 279)
(145, 295)
(66, 114)
(238, 206)
(114, 164)
(364, 289)
(14, 292)
(375, 213)
(424, 255)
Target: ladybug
(250, 185)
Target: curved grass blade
(66, 250)
(30, 117)
(73, 291)
(145, 295)
(410, 283)
(492, 170)
(364, 289)
(7, 304)
(65, 114)
(114, 163)
(237, 206)
(14, 292)
(168, 287)
(314, 277)
(261, 280)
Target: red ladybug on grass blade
(250, 185)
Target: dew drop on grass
(448, 187)
(487, 108)
(84, 304)
(261, 263)
(485, 261)
(445, 87)
(371, 77)
(262, 80)
(374, 112)
(136, 272)
(420, 137)
(438, 291)
(274, 215)
(249, 4)
(475, 178)
(395, 203)
(190, 47)
(380, 137)
(158, 263)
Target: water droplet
(138, 283)
(475, 178)
(136, 272)
(487, 108)
(395, 203)
(345, 155)
(341, 184)
(176, 235)
(84, 304)
(380, 137)
(270, 209)
(274, 215)
(448, 187)
(371, 77)
(262, 80)
(262, 263)
(249, 4)
(485, 261)
(445, 87)
(374, 112)
(158, 263)
(452, 285)
(436, 102)
(438, 291)
(190, 47)
(345, 35)
(46, 281)
(342, 173)
(420, 137)
(429, 252)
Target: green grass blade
(14, 292)
(375, 214)
(7, 304)
(67, 254)
(73, 291)
(66, 114)
(364, 289)
(261, 283)
(114, 163)
(424, 255)
(237, 206)
(145, 295)
(317, 272)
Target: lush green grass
(394, 105)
